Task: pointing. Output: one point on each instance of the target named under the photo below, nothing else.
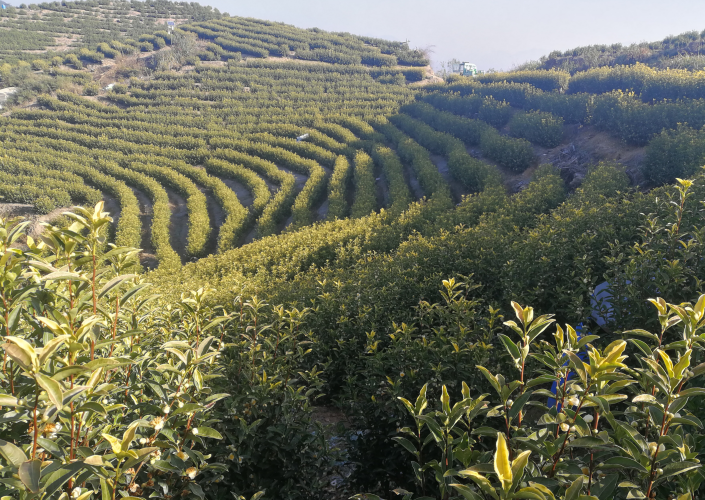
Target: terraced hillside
(324, 223)
(54, 29)
(199, 150)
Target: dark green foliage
(496, 113)
(544, 80)
(675, 154)
(514, 154)
(544, 129)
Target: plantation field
(276, 263)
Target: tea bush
(543, 129)
(673, 154)
(621, 424)
(544, 80)
(495, 113)
(99, 393)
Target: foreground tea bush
(620, 424)
(106, 395)
(96, 397)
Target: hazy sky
(490, 33)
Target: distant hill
(684, 51)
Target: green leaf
(518, 405)
(128, 436)
(406, 444)
(12, 453)
(51, 447)
(511, 347)
(105, 489)
(642, 333)
(115, 443)
(92, 406)
(117, 280)
(625, 462)
(693, 391)
(676, 468)
(606, 487)
(466, 492)
(19, 356)
(63, 275)
(105, 363)
(588, 442)
(578, 366)
(132, 291)
(66, 472)
(53, 388)
(543, 379)
(187, 408)
(573, 491)
(485, 431)
(51, 347)
(207, 432)
(645, 398)
(6, 400)
(491, 378)
(30, 473)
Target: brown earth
(148, 257)
(178, 226)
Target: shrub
(544, 80)
(496, 113)
(365, 186)
(91, 88)
(674, 154)
(543, 129)
(92, 430)
(623, 418)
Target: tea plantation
(242, 259)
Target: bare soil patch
(178, 226)
(457, 190)
(148, 257)
(29, 213)
(216, 214)
(112, 206)
(300, 182)
(413, 182)
(584, 146)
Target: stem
(7, 327)
(117, 311)
(562, 405)
(653, 460)
(521, 389)
(565, 441)
(12, 380)
(592, 463)
(36, 428)
(95, 308)
(117, 477)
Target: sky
(494, 34)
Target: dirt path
(457, 190)
(320, 212)
(243, 194)
(148, 257)
(299, 183)
(216, 214)
(178, 224)
(112, 206)
(413, 182)
(382, 191)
